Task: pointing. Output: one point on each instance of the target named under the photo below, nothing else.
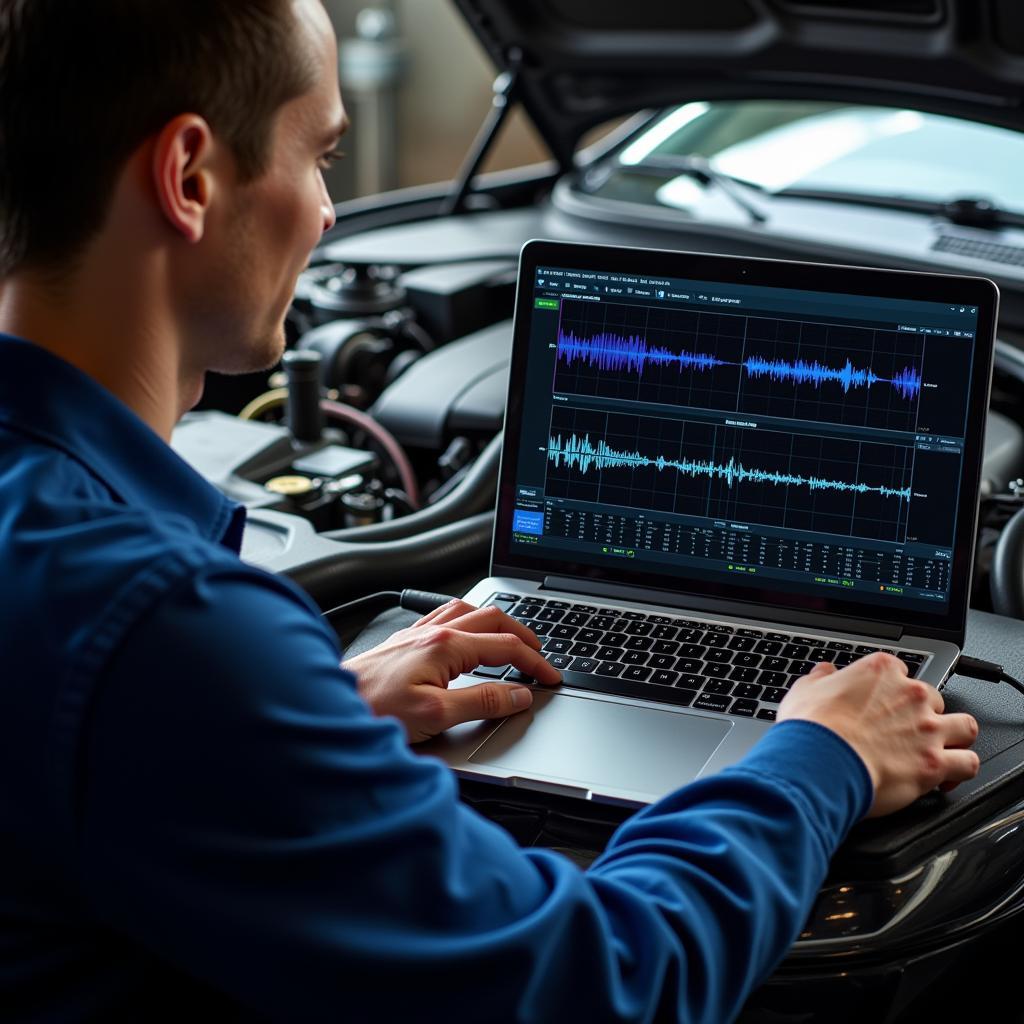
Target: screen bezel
(948, 623)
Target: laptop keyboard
(711, 666)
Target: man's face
(271, 224)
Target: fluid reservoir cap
(291, 486)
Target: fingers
(960, 765)
(506, 649)
(462, 615)
(487, 700)
(960, 730)
(451, 610)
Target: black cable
(421, 601)
(987, 671)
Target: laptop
(716, 472)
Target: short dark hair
(84, 83)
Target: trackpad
(603, 745)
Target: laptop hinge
(683, 602)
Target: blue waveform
(618, 352)
(582, 454)
(615, 352)
(907, 382)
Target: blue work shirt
(200, 816)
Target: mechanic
(200, 810)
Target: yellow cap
(290, 485)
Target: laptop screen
(725, 436)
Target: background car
(851, 131)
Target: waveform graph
(832, 373)
(798, 481)
(648, 354)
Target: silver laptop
(717, 472)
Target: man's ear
(183, 173)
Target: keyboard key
(664, 678)
(614, 612)
(634, 658)
(557, 604)
(719, 655)
(665, 647)
(661, 661)
(583, 650)
(717, 671)
(717, 686)
(749, 632)
(772, 679)
(773, 694)
(820, 654)
(748, 690)
(690, 665)
(507, 597)
(559, 661)
(659, 620)
(845, 658)
(639, 628)
(766, 714)
(525, 611)
(865, 649)
(744, 708)
(768, 646)
(800, 668)
(911, 658)
(575, 619)
(590, 636)
(799, 651)
(564, 632)
(609, 668)
(518, 676)
(637, 672)
(619, 625)
(587, 609)
(601, 622)
(741, 643)
(714, 640)
(584, 665)
(746, 660)
(551, 614)
(912, 670)
(720, 627)
(613, 639)
(791, 679)
(540, 628)
(607, 653)
(690, 682)
(664, 632)
(808, 641)
(639, 643)
(556, 646)
(744, 675)
(628, 688)
(690, 636)
(775, 664)
(783, 637)
(491, 671)
(691, 651)
(839, 645)
(711, 701)
(633, 615)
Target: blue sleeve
(246, 818)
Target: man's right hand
(894, 723)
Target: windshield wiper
(700, 170)
(969, 212)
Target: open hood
(580, 62)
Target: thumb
(486, 700)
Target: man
(199, 812)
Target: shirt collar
(46, 398)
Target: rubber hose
(1007, 579)
(475, 494)
(407, 562)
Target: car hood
(577, 63)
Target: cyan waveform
(632, 353)
(582, 454)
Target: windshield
(779, 146)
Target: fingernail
(521, 697)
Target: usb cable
(988, 671)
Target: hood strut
(503, 102)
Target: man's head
(197, 127)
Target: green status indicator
(546, 304)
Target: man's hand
(895, 724)
(408, 675)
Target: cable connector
(987, 671)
